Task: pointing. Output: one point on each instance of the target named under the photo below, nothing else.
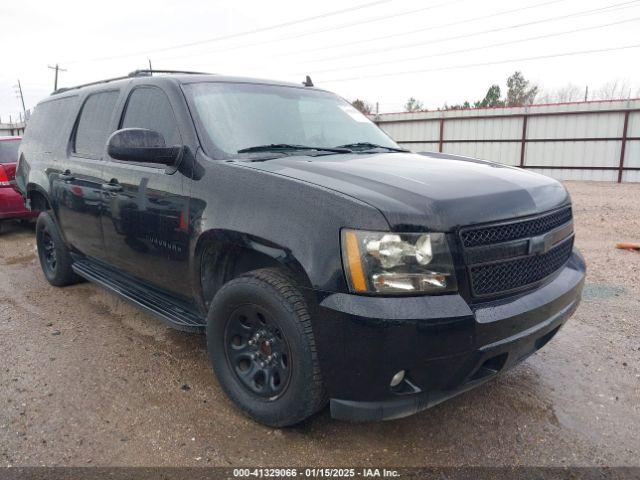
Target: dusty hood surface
(434, 191)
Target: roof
(174, 76)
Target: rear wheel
(54, 255)
(262, 348)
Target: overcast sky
(381, 51)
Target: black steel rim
(48, 250)
(258, 352)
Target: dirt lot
(86, 379)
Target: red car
(11, 203)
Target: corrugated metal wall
(576, 141)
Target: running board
(173, 313)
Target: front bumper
(445, 345)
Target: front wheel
(54, 255)
(262, 348)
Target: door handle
(66, 176)
(112, 187)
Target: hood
(431, 191)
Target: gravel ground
(86, 379)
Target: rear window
(94, 126)
(9, 151)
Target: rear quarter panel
(45, 142)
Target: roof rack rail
(148, 72)
(135, 73)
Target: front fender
(294, 222)
(226, 242)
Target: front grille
(516, 230)
(513, 274)
(509, 256)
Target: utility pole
(150, 67)
(55, 79)
(586, 93)
(24, 110)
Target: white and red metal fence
(597, 140)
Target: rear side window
(9, 151)
(94, 125)
(149, 107)
(50, 123)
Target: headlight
(385, 262)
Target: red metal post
(623, 146)
(523, 141)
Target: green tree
(460, 106)
(520, 91)
(413, 105)
(362, 105)
(492, 98)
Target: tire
(54, 255)
(277, 379)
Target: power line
(472, 49)
(483, 64)
(239, 34)
(483, 32)
(429, 29)
(328, 29)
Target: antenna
(307, 82)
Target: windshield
(9, 150)
(238, 116)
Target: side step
(174, 312)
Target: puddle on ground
(602, 291)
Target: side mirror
(141, 145)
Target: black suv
(324, 262)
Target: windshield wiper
(369, 146)
(283, 147)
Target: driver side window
(149, 107)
